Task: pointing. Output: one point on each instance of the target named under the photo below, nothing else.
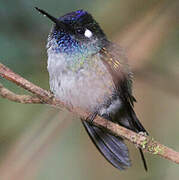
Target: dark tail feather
(136, 126)
(143, 159)
(111, 147)
(139, 128)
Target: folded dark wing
(115, 61)
(112, 148)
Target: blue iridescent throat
(62, 42)
(76, 53)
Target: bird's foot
(91, 117)
(51, 95)
(143, 133)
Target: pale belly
(88, 88)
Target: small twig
(24, 99)
(45, 96)
(6, 73)
(42, 96)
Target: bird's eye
(88, 33)
(80, 30)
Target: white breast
(86, 88)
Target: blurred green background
(38, 142)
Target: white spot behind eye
(88, 33)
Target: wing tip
(120, 159)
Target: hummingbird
(88, 71)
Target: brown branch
(146, 143)
(24, 99)
(6, 73)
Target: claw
(91, 117)
(143, 134)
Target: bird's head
(75, 32)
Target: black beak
(55, 20)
